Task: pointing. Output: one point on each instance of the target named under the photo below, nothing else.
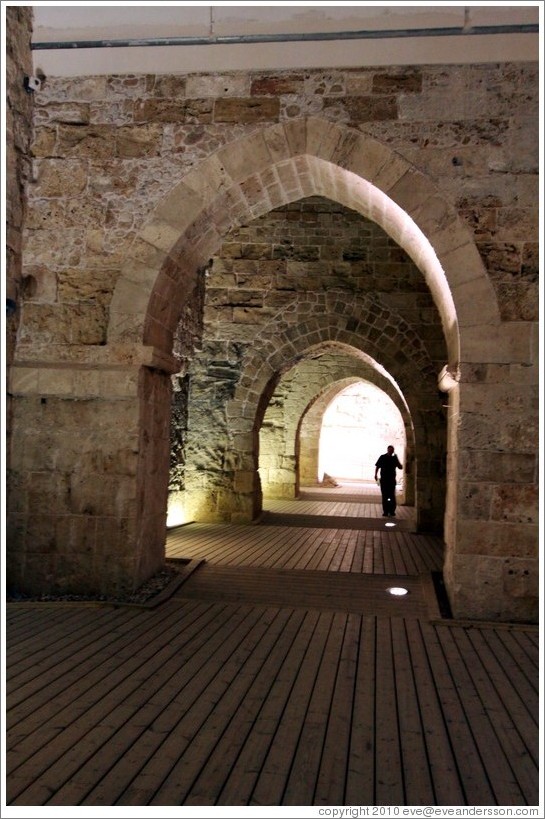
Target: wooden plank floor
(203, 703)
(363, 594)
(305, 535)
(375, 551)
(262, 685)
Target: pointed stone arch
(309, 435)
(272, 167)
(346, 323)
(299, 402)
(275, 166)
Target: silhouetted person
(388, 463)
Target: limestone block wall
(154, 392)
(496, 562)
(18, 136)
(70, 514)
(136, 182)
(107, 149)
(18, 122)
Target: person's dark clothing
(388, 464)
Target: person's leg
(384, 494)
(393, 502)
(389, 498)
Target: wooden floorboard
(370, 551)
(438, 744)
(278, 673)
(489, 747)
(221, 703)
(363, 594)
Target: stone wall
(18, 123)
(137, 182)
(109, 148)
(18, 111)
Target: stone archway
(310, 443)
(290, 445)
(342, 323)
(278, 165)
(281, 164)
(273, 166)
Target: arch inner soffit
(323, 178)
(347, 357)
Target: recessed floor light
(397, 591)
(389, 524)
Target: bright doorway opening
(357, 426)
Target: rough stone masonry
(222, 231)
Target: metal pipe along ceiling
(237, 39)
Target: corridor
(277, 671)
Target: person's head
(390, 450)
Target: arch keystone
(367, 159)
(276, 139)
(296, 134)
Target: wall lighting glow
(176, 514)
(397, 591)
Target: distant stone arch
(294, 418)
(415, 379)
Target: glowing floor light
(389, 524)
(397, 591)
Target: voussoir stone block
(203, 185)
(160, 234)
(124, 326)
(296, 135)
(248, 156)
(277, 142)
(322, 138)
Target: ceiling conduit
(238, 39)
